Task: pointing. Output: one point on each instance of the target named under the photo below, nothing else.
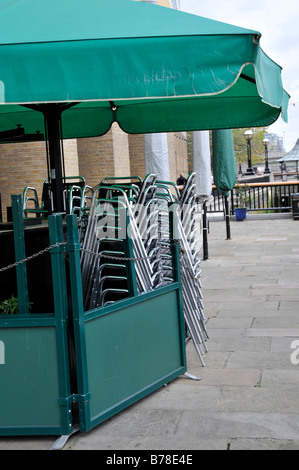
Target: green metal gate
(34, 372)
(71, 367)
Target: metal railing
(286, 176)
(259, 197)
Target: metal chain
(184, 264)
(35, 255)
(195, 279)
(100, 255)
(119, 258)
(45, 250)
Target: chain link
(45, 250)
(35, 255)
(94, 253)
(184, 264)
(120, 258)
(101, 255)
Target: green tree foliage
(257, 147)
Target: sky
(278, 22)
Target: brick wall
(121, 151)
(96, 158)
(103, 156)
(136, 149)
(25, 164)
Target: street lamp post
(266, 144)
(248, 136)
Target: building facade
(276, 148)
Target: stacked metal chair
(104, 275)
(141, 207)
(98, 271)
(190, 267)
(188, 230)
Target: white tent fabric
(201, 161)
(156, 155)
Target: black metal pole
(267, 169)
(249, 170)
(227, 218)
(52, 113)
(205, 232)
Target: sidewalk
(247, 397)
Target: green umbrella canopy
(224, 166)
(150, 68)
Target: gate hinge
(75, 398)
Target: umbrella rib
(249, 79)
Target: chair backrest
(73, 184)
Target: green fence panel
(132, 351)
(127, 349)
(29, 377)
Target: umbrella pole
(205, 232)
(52, 114)
(227, 218)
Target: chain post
(74, 249)
(20, 253)
(61, 314)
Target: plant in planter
(242, 198)
(9, 306)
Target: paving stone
(282, 322)
(228, 425)
(240, 344)
(281, 378)
(259, 360)
(263, 444)
(236, 377)
(235, 322)
(283, 343)
(273, 332)
(27, 443)
(259, 399)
